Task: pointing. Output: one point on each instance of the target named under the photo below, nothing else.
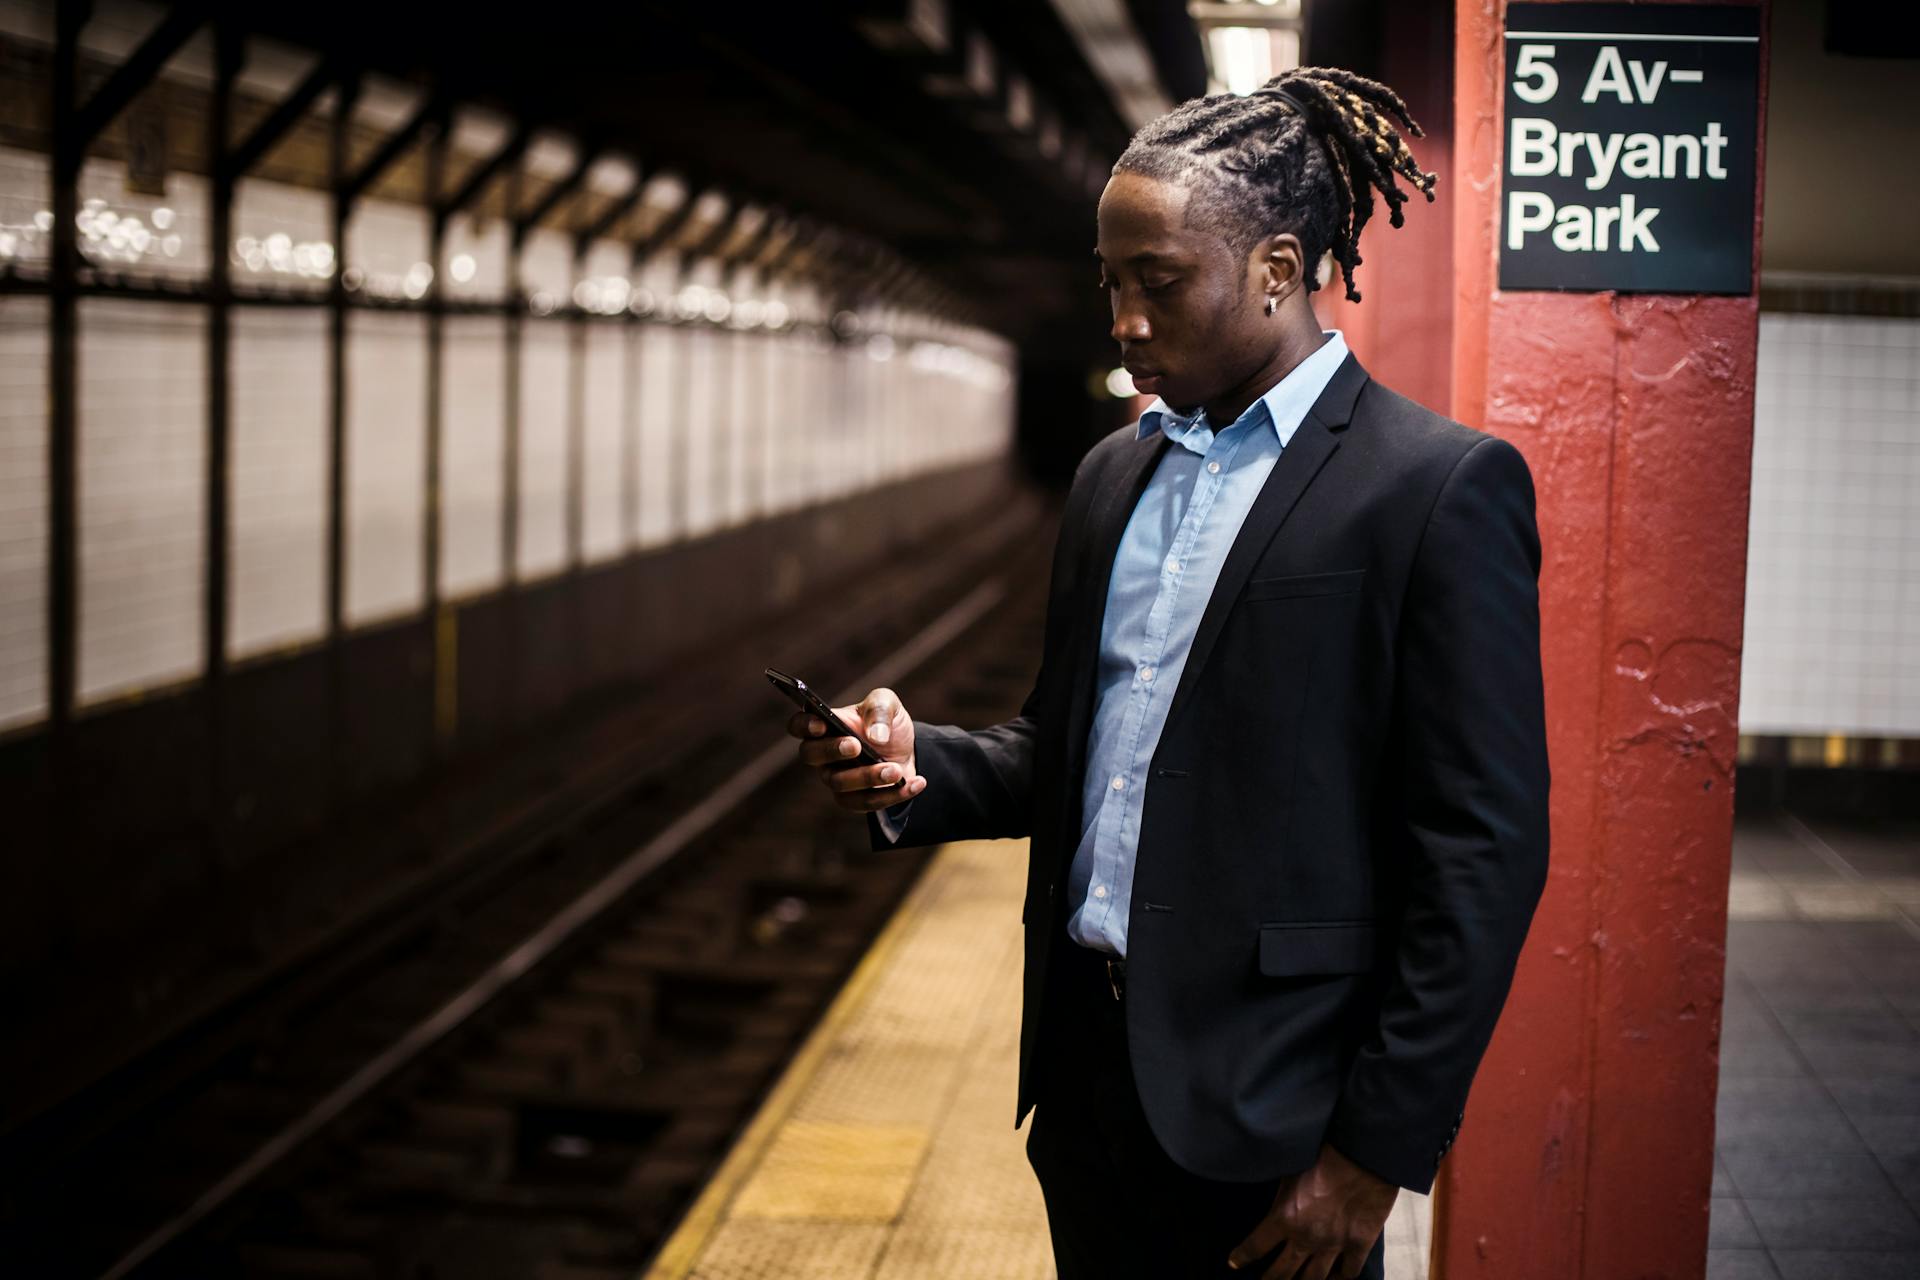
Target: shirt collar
(1285, 403)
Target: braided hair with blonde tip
(1304, 153)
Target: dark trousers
(1117, 1204)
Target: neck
(1299, 338)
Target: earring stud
(1270, 304)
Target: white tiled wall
(24, 196)
(485, 248)
(604, 415)
(23, 510)
(386, 465)
(472, 453)
(177, 250)
(141, 454)
(545, 368)
(1833, 559)
(283, 236)
(658, 351)
(278, 479)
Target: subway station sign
(1630, 140)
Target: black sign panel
(1629, 147)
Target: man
(1284, 767)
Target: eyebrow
(1147, 256)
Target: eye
(1159, 286)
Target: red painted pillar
(1587, 1152)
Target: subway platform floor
(1817, 1146)
(887, 1151)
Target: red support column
(1587, 1152)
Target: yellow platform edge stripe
(683, 1248)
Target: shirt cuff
(893, 821)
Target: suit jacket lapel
(1316, 440)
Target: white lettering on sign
(1610, 76)
(1537, 147)
(1578, 228)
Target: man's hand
(855, 785)
(1326, 1219)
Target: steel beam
(138, 71)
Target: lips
(1145, 381)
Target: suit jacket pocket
(1316, 947)
(1303, 584)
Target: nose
(1129, 324)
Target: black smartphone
(812, 703)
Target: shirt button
(1119, 781)
(1099, 891)
(1146, 673)
(1173, 565)
(1214, 467)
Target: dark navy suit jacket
(1344, 833)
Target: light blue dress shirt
(1163, 574)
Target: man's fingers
(1353, 1261)
(1320, 1265)
(865, 777)
(1261, 1241)
(877, 711)
(828, 751)
(1287, 1265)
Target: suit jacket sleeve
(1470, 769)
(980, 782)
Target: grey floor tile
(1773, 1055)
(1896, 1094)
(1740, 1264)
(1847, 1264)
(1723, 1184)
(1837, 1027)
(1729, 1227)
(1779, 1172)
(1835, 1059)
(1770, 1113)
(1828, 1222)
(1873, 940)
(1806, 993)
(1895, 1143)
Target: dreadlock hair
(1303, 153)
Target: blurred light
(747, 314)
(9, 244)
(541, 303)
(642, 302)
(880, 347)
(171, 246)
(586, 295)
(352, 278)
(1242, 57)
(776, 314)
(845, 323)
(1120, 384)
(163, 218)
(719, 306)
(461, 268)
(43, 220)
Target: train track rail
(537, 1074)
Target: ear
(1280, 265)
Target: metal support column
(229, 51)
